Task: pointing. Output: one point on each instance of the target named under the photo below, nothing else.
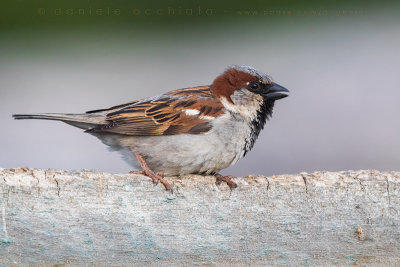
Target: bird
(195, 130)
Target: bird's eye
(254, 86)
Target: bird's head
(245, 90)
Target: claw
(227, 179)
(155, 177)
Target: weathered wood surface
(56, 217)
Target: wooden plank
(324, 218)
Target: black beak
(276, 92)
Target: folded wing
(189, 110)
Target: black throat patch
(257, 124)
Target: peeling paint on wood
(324, 218)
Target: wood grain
(78, 218)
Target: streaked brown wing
(188, 110)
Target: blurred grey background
(340, 60)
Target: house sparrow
(197, 130)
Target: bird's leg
(155, 177)
(227, 179)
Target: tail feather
(83, 121)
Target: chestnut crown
(244, 77)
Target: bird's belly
(179, 154)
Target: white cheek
(245, 103)
(229, 106)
